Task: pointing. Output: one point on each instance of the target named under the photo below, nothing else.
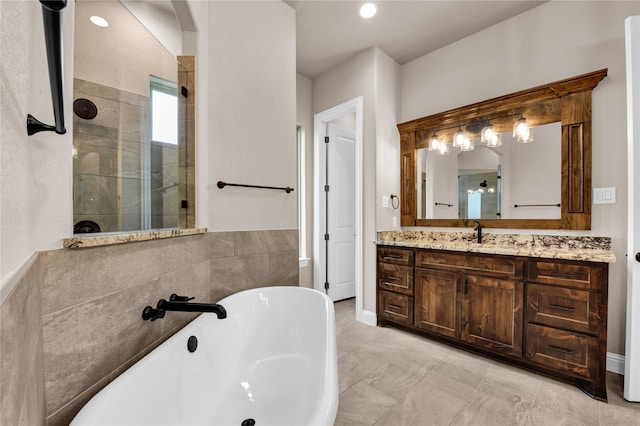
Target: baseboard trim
(369, 317)
(615, 363)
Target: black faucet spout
(166, 305)
(479, 229)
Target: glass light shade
(481, 190)
(487, 134)
(434, 143)
(491, 190)
(522, 132)
(443, 148)
(467, 145)
(496, 140)
(459, 138)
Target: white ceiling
(328, 32)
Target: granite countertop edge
(590, 255)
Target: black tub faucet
(181, 304)
(479, 229)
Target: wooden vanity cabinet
(475, 298)
(395, 284)
(546, 314)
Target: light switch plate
(604, 195)
(385, 201)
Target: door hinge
(326, 237)
(184, 204)
(184, 91)
(326, 139)
(326, 188)
(326, 286)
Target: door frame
(320, 121)
(632, 346)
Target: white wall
(160, 22)
(36, 176)
(251, 116)
(554, 41)
(372, 75)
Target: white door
(341, 212)
(632, 347)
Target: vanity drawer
(563, 307)
(571, 353)
(396, 278)
(494, 266)
(398, 256)
(395, 307)
(569, 275)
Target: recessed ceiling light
(368, 10)
(99, 21)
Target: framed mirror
(131, 126)
(493, 182)
(539, 181)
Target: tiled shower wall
(90, 310)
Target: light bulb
(443, 148)
(496, 140)
(522, 132)
(467, 145)
(433, 143)
(459, 138)
(487, 134)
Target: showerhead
(84, 108)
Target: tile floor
(392, 378)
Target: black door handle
(638, 257)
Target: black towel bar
(222, 184)
(51, 13)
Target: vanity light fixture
(522, 131)
(434, 143)
(368, 10)
(495, 140)
(460, 138)
(443, 148)
(99, 21)
(487, 134)
(467, 144)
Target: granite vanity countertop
(592, 249)
(106, 238)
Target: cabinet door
(492, 314)
(437, 306)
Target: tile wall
(87, 306)
(22, 398)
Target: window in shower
(164, 111)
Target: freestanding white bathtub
(272, 361)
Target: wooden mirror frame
(567, 101)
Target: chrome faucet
(181, 304)
(479, 229)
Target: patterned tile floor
(392, 378)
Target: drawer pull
(392, 306)
(561, 350)
(394, 278)
(562, 308)
(560, 275)
(393, 256)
